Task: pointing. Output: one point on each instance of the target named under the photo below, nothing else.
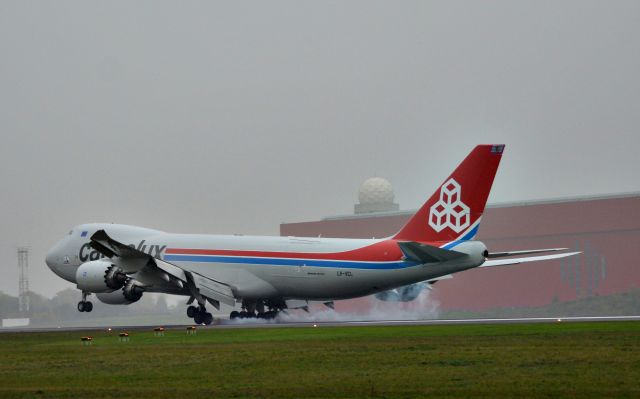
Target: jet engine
(129, 294)
(100, 276)
(132, 291)
(402, 294)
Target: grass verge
(552, 359)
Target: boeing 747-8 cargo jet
(269, 274)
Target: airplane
(266, 275)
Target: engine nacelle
(130, 293)
(407, 293)
(100, 276)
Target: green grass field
(547, 360)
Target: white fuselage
(258, 267)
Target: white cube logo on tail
(449, 211)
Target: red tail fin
(453, 212)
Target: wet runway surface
(258, 323)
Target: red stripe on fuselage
(379, 252)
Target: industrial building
(605, 228)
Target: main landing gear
(199, 315)
(257, 310)
(271, 314)
(84, 305)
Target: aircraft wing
(106, 245)
(133, 260)
(515, 261)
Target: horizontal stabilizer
(422, 253)
(515, 261)
(435, 280)
(494, 255)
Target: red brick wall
(608, 230)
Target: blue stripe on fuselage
(466, 237)
(289, 262)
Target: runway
(258, 323)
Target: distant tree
(41, 311)
(161, 305)
(65, 303)
(8, 306)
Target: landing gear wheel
(191, 311)
(199, 318)
(80, 306)
(208, 318)
(271, 314)
(234, 315)
(88, 306)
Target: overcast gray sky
(233, 117)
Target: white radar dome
(376, 190)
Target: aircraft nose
(50, 258)
(57, 259)
(54, 255)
